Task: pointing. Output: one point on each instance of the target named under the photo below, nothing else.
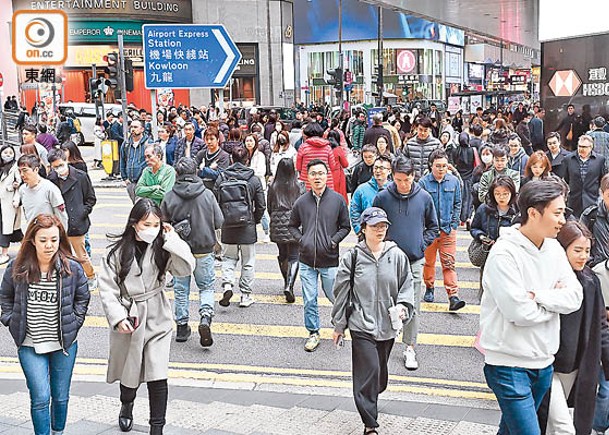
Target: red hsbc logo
(565, 83)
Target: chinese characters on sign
(601, 87)
(45, 75)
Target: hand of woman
(124, 327)
(336, 336)
(167, 228)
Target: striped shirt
(42, 330)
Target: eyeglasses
(317, 174)
(584, 146)
(379, 227)
(380, 168)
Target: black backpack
(235, 202)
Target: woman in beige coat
(131, 284)
(10, 180)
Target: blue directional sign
(188, 56)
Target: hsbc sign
(567, 83)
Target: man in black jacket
(241, 198)
(195, 214)
(583, 172)
(79, 198)
(320, 220)
(556, 154)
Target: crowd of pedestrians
(406, 186)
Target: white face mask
(148, 235)
(487, 158)
(62, 170)
(7, 158)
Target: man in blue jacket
(132, 160)
(415, 226)
(445, 190)
(364, 195)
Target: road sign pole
(121, 74)
(155, 125)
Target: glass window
(439, 63)
(316, 65)
(427, 62)
(354, 61)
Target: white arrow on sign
(230, 56)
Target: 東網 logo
(40, 37)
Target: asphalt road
(264, 343)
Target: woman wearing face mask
(131, 284)
(283, 149)
(74, 156)
(486, 163)
(10, 212)
(584, 345)
(276, 130)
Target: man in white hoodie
(527, 283)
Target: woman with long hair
(131, 287)
(74, 156)
(44, 297)
(10, 212)
(538, 167)
(283, 149)
(584, 345)
(283, 193)
(338, 174)
(257, 161)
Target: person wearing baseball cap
(373, 311)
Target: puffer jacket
(74, 296)
(418, 151)
(280, 219)
(315, 148)
(180, 150)
(596, 219)
(487, 222)
(377, 286)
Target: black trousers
(157, 399)
(370, 375)
(288, 251)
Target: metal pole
(380, 58)
(340, 51)
(155, 126)
(221, 100)
(121, 73)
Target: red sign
(407, 61)
(1, 80)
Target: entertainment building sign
(174, 11)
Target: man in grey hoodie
(193, 211)
(528, 282)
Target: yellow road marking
(283, 331)
(285, 376)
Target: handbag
(350, 304)
(570, 133)
(478, 252)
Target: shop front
(93, 30)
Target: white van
(85, 112)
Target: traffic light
(93, 88)
(375, 75)
(336, 78)
(128, 74)
(112, 69)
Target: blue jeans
(601, 409)
(308, 280)
(48, 377)
(205, 279)
(519, 392)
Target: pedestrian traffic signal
(112, 69)
(336, 78)
(93, 88)
(129, 75)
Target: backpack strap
(352, 275)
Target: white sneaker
(410, 359)
(246, 300)
(266, 239)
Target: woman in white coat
(10, 212)
(131, 286)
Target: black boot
(125, 417)
(156, 430)
(206, 339)
(283, 267)
(289, 288)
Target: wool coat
(142, 356)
